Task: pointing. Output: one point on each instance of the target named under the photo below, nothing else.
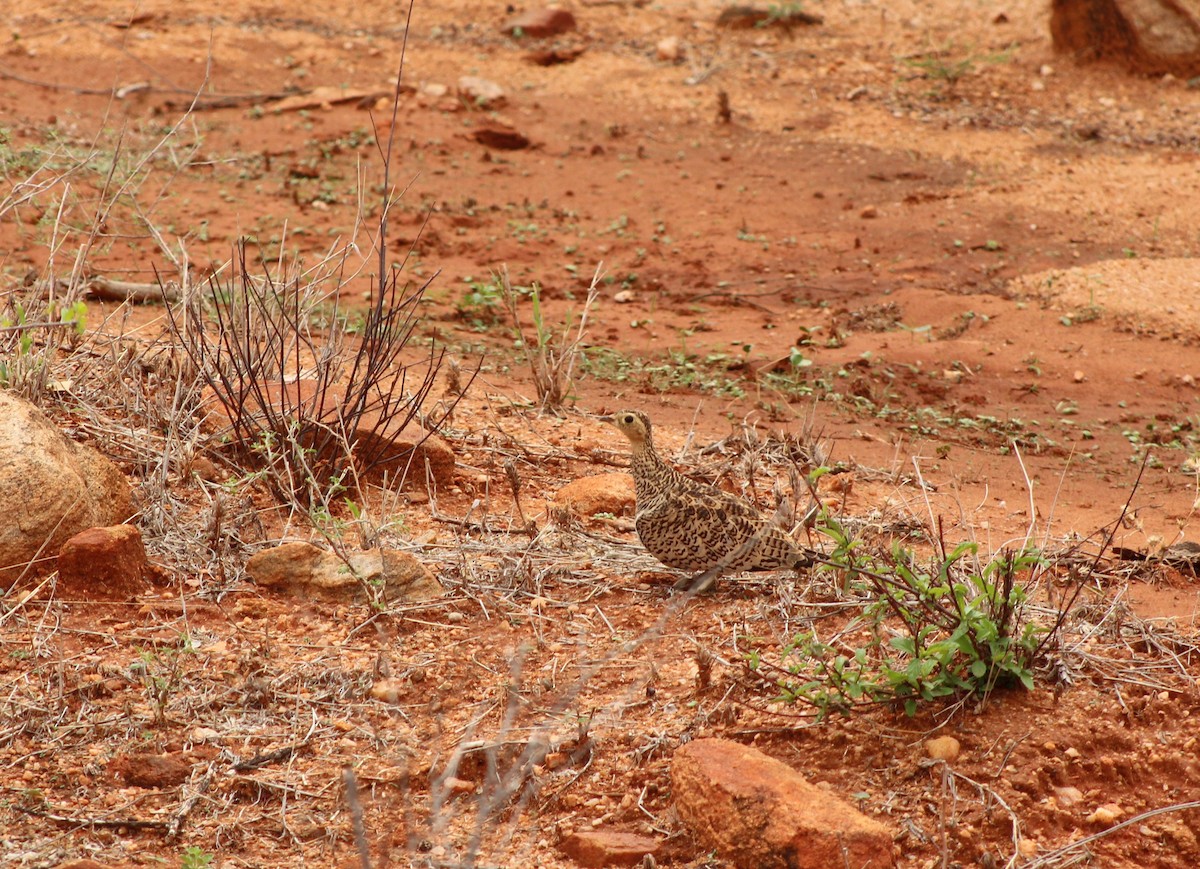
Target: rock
(1106, 815)
(601, 493)
(1068, 796)
(1149, 36)
(408, 457)
(554, 56)
(384, 451)
(152, 770)
(540, 23)
(52, 488)
(493, 135)
(747, 17)
(755, 811)
(942, 748)
(387, 690)
(669, 49)
(481, 92)
(105, 564)
(305, 570)
(596, 848)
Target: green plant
(161, 673)
(951, 628)
(25, 364)
(481, 304)
(786, 15)
(195, 857)
(552, 352)
(943, 66)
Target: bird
(694, 526)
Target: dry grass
(551, 352)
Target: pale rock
(1106, 815)
(308, 571)
(668, 49)
(481, 91)
(204, 734)
(52, 489)
(540, 23)
(1068, 796)
(387, 690)
(942, 748)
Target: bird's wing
(701, 527)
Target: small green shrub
(948, 629)
(482, 304)
(195, 857)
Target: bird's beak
(607, 418)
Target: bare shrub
(313, 395)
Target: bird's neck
(643, 453)
(647, 466)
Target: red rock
(601, 493)
(756, 811)
(554, 56)
(1152, 36)
(152, 770)
(402, 455)
(104, 564)
(597, 848)
(540, 23)
(500, 138)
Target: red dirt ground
(940, 243)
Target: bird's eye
(628, 419)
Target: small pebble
(1106, 815)
(668, 49)
(942, 748)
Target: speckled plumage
(694, 526)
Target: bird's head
(634, 424)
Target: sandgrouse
(694, 526)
